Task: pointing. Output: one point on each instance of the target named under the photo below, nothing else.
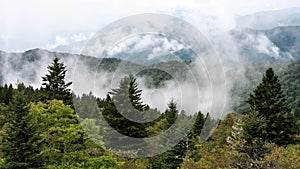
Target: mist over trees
(50, 127)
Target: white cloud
(59, 40)
(33, 23)
(261, 43)
(70, 44)
(156, 52)
(159, 45)
(264, 45)
(78, 37)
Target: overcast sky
(36, 23)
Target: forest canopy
(51, 127)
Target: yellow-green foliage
(280, 157)
(139, 163)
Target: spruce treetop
(268, 97)
(54, 83)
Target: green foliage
(59, 130)
(171, 113)
(18, 140)
(198, 125)
(81, 159)
(128, 95)
(86, 106)
(92, 130)
(282, 157)
(209, 128)
(170, 159)
(216, 157)
(268, 101)
(54, 83)
(158, 127)
(6, 94)
(214, 153)
(63, 141)
(250, 140)
(126, 101)
(48, 134)
(103, 162)
(154, 78)
(3, 114)
(291, 86)
(268, 97)
(223, 130)
(138, 163)
(282, 129)
(173, 157)
(288, 73)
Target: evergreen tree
(3, 114)
(18, 140)
(268, 101)
(171, 113)
(208, 129)
(62, 138)
(173, 157)
(118, 110)
(268, 97)
(54, 83)
(168, 159)
(254, 129)
(86, 106)
(128, 94)
(126, 102)
(6, 93)
(198, 125)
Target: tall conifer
(54, 83)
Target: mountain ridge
(270, 19)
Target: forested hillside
(288, 73)
(51, 127)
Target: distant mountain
(277, 44)
(31, 65)
(74, 48)
(280, 43)
(286, 38)
(270, 19)
(146, 57)
(265, 20)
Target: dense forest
(52, 127)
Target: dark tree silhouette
(268, 101)
(54, 84)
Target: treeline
(288, 73)
(51, 127)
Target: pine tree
(54, 83)
(173, 157)
(171, 113)
(118, 110)
(18, 140)
(198, 125)
(128, 94)
(268, 97)
(252, 138)
(268, 101)
(127, 103)
(6, 93)
(168, 159)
